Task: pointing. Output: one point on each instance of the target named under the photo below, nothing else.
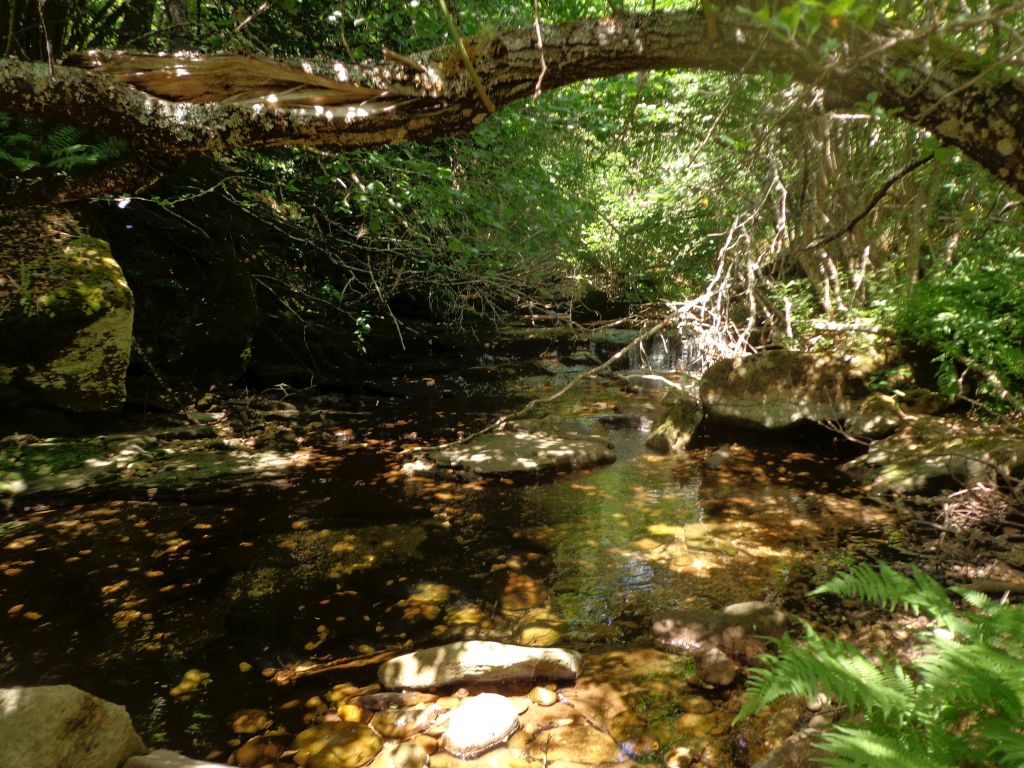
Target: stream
(174, 603)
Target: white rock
(480, 723)
(478, 661)
(60, 725)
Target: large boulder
(67, 327)
(676, 427)
(60, 725)
(779, 387)
(477, 661)
(930, 453)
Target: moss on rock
(68, 326)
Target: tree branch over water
(172, 106)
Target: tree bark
(146, 100)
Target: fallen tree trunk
(171, 106)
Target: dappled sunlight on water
(350, 559)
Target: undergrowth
(959, 704)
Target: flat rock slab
(477, 661)
(525, 447)
(60, 725)
(931, 452)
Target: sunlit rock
(779, 387)
(481, 722)
(336, 745)
(542, 696)
(477, 661)
(932, 452)
(58, 725)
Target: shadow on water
(124, 597)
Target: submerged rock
(477, 661)
(405, 722)
(481, 722)
(524, 447)
(718, 638)
(779, 387)
(60, 725)
(336, 745)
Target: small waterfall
(664, 353)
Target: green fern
(32, 146)
(960, 705)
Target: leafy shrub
(972, 314)
(961, 703)
(32, 147)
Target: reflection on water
(124, 598)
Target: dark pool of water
(122, 597)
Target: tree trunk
(172, 107)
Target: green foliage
(959, 704)
(972, 314)
(31, 147)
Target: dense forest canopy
(759, 165)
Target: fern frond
(21, 163)
(859, 748)
(1005, 742)
(61, 138)
(890, 589)
(834, 667)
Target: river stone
(574, 743)
(336, 745)
(674, 430)
(477, 661)
(525, 447)
(60, 725)
(482, 722)
(779, 387)
(731, 628)
(405, 722)
(68, 332)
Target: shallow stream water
(347, 556)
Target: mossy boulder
(780, 387)
(676, 427)
(67, 328)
